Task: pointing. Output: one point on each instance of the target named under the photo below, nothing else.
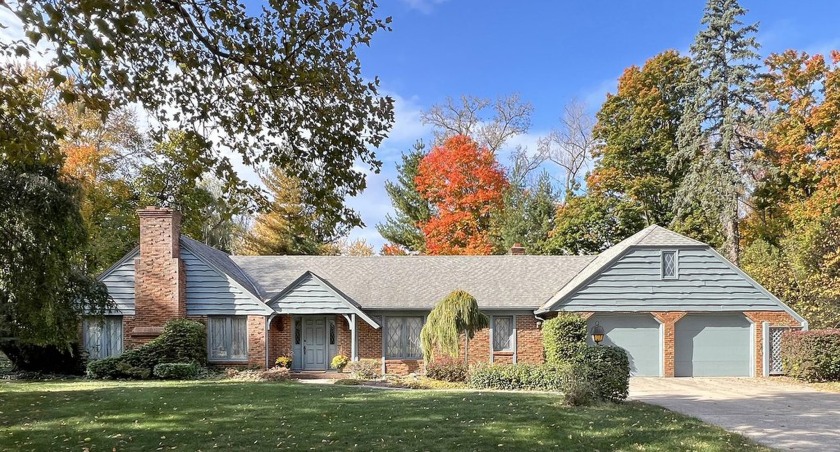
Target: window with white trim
(227, 338)
(503, 333)
(103, 337)
(669, 265)
(402, 337)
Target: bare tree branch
(570, 145)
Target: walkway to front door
(314, 343)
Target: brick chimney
(517, 249)
(159, 282)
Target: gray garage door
(636, 333)
(712, 345)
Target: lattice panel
(393, 342)
(502, 331)
(776, 350)
(413, 325)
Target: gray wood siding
(633, 283)
(120, 284)
(211, 292)
(309, 296)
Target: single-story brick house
(677, 306)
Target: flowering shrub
(339, 362)
(283, 361)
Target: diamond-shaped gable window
(669, 264)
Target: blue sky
(549, 52)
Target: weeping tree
(454, 315)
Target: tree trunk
(733, 238)
(466, 349)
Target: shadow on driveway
(779, 415)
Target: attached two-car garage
(705, 345)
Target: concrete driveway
(779, 415)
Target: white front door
(314, 343)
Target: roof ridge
(650, 230)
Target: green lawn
(285, 415)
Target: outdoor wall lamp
(597, 333)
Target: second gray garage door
(636, 333)
(712, 345)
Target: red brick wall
(344, 337)
(776, 318)
(479, 347)
(669, 319)
(403, 366)
(159, 293)
(256, 340)
(370, 341)
(529, 346)
(280, 338)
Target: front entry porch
(313, 322)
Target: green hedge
(607, 370)
(182, 341)
(545, 377)
(598, 372)
(812, 355)
(176, 371)
(564, 337)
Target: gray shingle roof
(419, 282)
(222, 261)
(650, 236)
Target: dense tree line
(713, 144)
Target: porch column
(354, 337)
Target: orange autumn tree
(465, 185)
(792, 233)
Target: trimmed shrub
(564, 337)
(176, 371)
(546, 377)
(45, 359)
(607, 370)
(104, 369)
(447, 369)
(365, 369)
(182, 341)
(812, 355)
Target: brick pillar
(256, 341)
(669, 320)
(159, 284)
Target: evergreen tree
(411, 209)
(293, 224)
(528, 215)
(717, 132)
